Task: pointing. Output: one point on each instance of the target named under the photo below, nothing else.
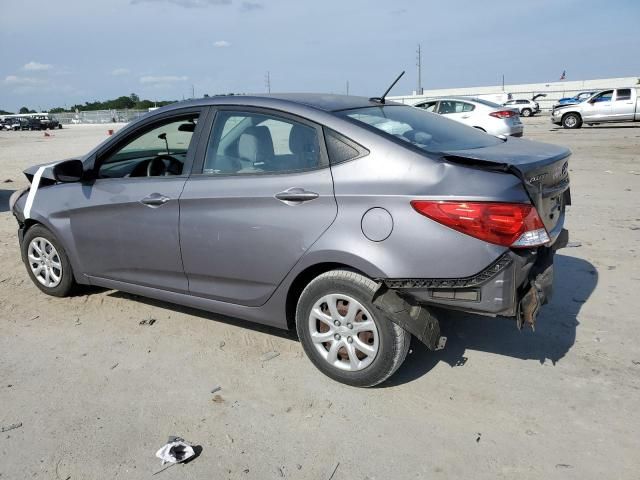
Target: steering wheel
(164, 165)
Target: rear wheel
(526, 112)
(571, 120)
(47, 262)
(344, 335)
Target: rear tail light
(503, 114)
(515, 225)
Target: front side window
(604, 96)
(255, 143)
(623, 94)
(160, 150)
(417, 127)
(429, 106)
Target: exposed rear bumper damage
(516, 285)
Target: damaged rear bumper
(516, 285)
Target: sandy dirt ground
(97, 393)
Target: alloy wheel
(45, 262)
(343, 332)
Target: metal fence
(99, 116)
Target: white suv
(527, 108)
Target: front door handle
(155, 200)
(297, 195)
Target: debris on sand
(334, 470)
(215, 389)
(574, 244)
(175, 451)
(478, 437)
(13, 426)
(269, 356)
(149, 321)
(114, 366)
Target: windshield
(425, 130)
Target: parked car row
(40, 122)
(478, 113)
(611, 105)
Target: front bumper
(515, 285)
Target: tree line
(132, 101)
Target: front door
(125, 222)
(599, 107)
(263, 196)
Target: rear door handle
(155, 200)
(296, 194)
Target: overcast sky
(61, 52)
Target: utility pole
(419, 90)
(503, 82)
(347, 87)
(267, 81)
(193, 91)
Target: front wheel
(526, 112)
(571, 120)
(344, 335)
(47, 262)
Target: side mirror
(68, 171)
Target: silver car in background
(478, 113)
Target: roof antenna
(381, 99)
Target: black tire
(393, 341)
(526, 112)
(571, 121)
(67, 282)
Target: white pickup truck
(614, 105)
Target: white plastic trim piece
(34, 187)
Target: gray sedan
(348, 219)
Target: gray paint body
(226, 244)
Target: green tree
(23, 110)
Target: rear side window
(429, 132)
(623, 94)
(255, 143)
(341, 149)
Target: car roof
(319, 101)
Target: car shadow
(236, 322)
(4, 200)
(555, 331)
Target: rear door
(624, 105)
(456, 110)
(262, 195)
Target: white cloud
(120, 71)
(221, 44)
(36, 66)
(17, 81)
(162, 79)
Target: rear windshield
(427, 131)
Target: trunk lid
(542, 168)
